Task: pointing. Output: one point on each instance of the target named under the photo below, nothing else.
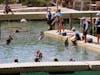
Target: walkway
(20, 8)
(13, 6)
(40, 12)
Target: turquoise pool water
(26, 43)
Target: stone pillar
(81, 4)
(70, 21)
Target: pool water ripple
(26, 43)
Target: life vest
(49, 15)
(98, 23)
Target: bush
(1, 1)
(9, 1)
(35, 3)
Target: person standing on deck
(61, 24)
(84, 27)
(97, 24)
(49, 17)
(58, 21)
(59, 13)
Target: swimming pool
(26, 43)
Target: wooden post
(80, 24)
(6, 2)
(70, 20)
(82, 3)
(91, 23)
(74, 2)
(57, 4)
(89, 5)
(47, 5)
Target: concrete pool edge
(11, 68)
(90, 46)
(41, 15)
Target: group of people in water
(39, 56)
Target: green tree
(1, 1)
(35, 2)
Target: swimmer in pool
(39, 54)
(16, 60)
(66, 43)
(36, 60)
(8, 41)
(56, 60)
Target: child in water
(39, 54)
(8, 41)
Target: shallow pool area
(25, 43)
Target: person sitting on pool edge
(76, 36)
(7, 10)
(49, 18)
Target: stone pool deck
(88, 46)
(39, 13)
(32, 13)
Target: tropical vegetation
(1, 1)
(35, 3)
